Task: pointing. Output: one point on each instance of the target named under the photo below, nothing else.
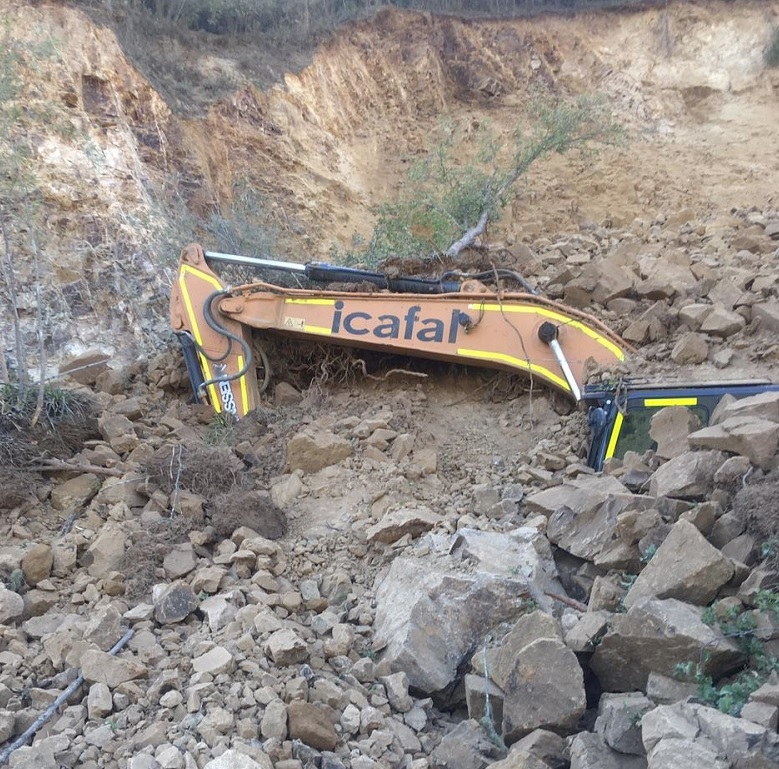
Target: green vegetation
(467, 179)
(302, 17)
(740, 625)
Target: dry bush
(758, 506)
(17, 487)
(253, 509)
(196, 467)
(59, 428)
(147, 552)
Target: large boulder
(688, 476)
(653, 636)
(315, 448)
(431, 613)
(746, 436)
(685, 566)
(705, 733)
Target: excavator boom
(217, 325)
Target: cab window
(634, 434)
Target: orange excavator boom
(217, 325)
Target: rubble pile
(332, 583)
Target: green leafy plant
(469, 175)
(739, 625)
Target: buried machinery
(457, 318)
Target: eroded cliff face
(120, 180)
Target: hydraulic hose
(208, 314)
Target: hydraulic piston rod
(547, 333)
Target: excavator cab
(620, 416)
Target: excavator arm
(217, 325)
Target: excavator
(466, 318)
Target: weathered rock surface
(652, 637)
(685, 566)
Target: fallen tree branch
(55, 465)
(574, 604)
(23, 738)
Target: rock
(217, 660)
(467, 746)
(619, 721)
(685, 566)
(722, 323)
(693, 315)
(767, 313)
(122, 490)
(478, 690)
(653, 636)
(174, 603)
(545, 689)
(754, 438)
(106, 553)
(761, 406)
(691, 348)
(669, 428)
(179, 560)
(217, 722)
(36, 564)
(396, 687)
(274, 720)
(310, 725)
(761, 713)
(589, 751)
(101, 667)
(118, 432)
(429, 615)
(674, 753)
(314, 448)
(687, 476)
(547, 746)
(284, 394)
(99, 702)
(75, 493)
(706, 731)
(103, 628)
(521, 759)
(397, 523)
(233, 759)
(86, 368)
(11, 605)
(285, 647)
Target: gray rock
(285, 647)
(691, 348)
(588, 751)
(619, 721)
(429, 615)
(652, 637)
(106, 553)
(675, 753)
(669, 428)
(397, 523)
(174, 603)
(11, 605)
(315, 448)
(311, 725)
(547, 746)
(101, 667)
(75, 493)
(233, 759)
(747, 436)
(467, 746)
(685, 566)
(544, 689)
(687, 476)
(217, 660)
